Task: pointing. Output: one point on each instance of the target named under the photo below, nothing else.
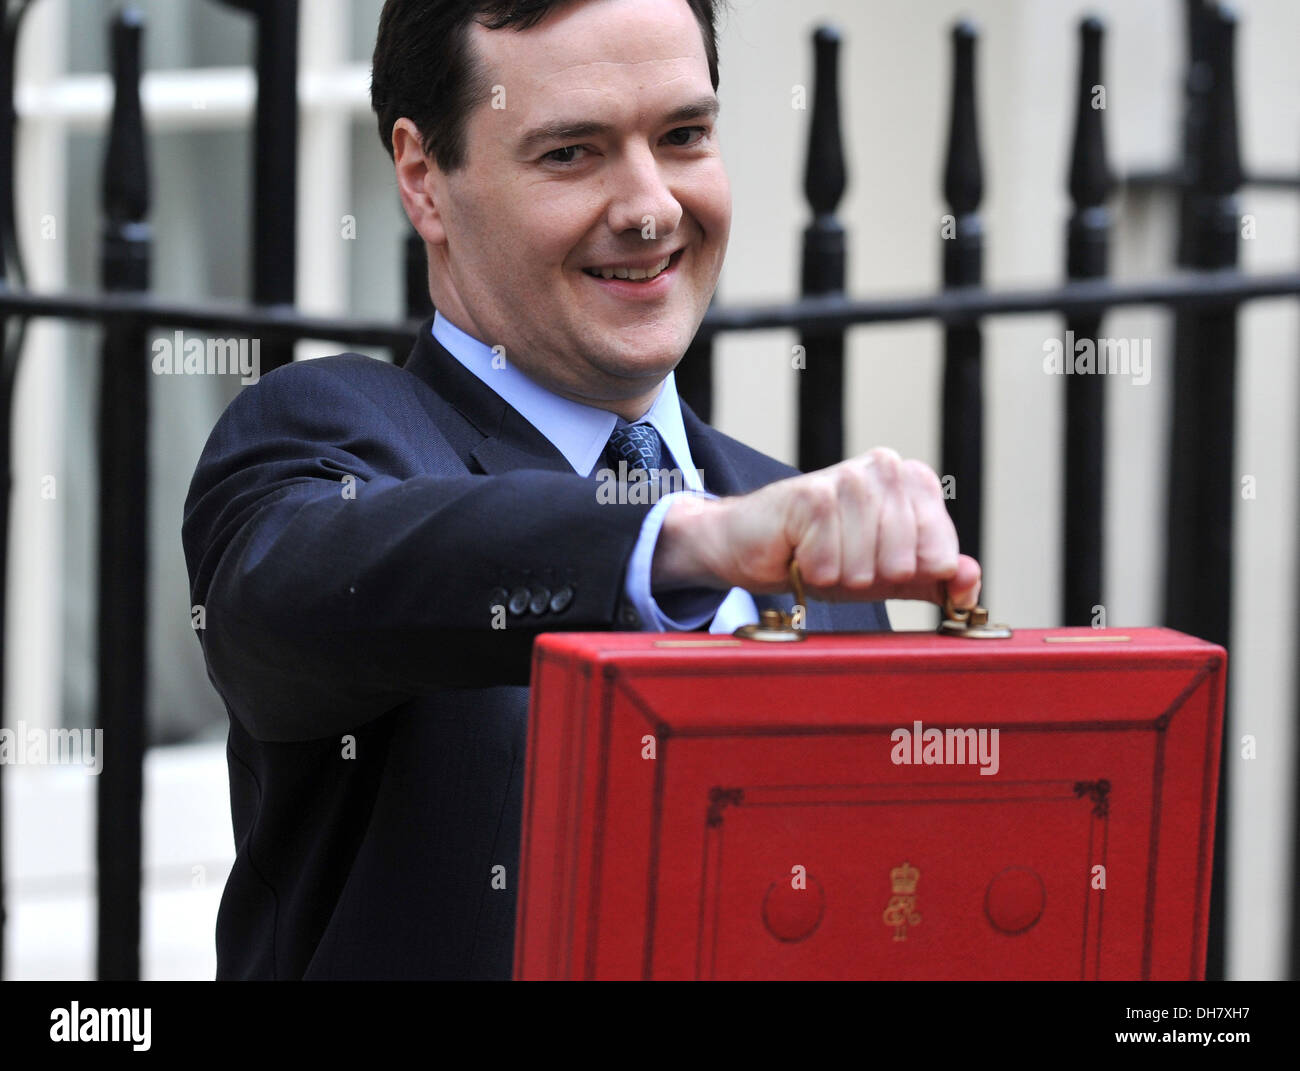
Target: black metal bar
(123, 515)
(275, 162)
(1202, 484)
(415, 270)
(821, 377)
(1196, 86)
(963, 256)
(814, 314)
(1293, 972)
(11, 260)
(694, 376)
(963, 305)
(12, 331)
(1259, 180)
(1087, 246)
(279, 324)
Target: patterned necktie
(637, 445)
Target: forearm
(355, 604)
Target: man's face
(604, 156)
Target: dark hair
(424, 68)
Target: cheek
(709, 201)
(477, 218)
(539, 229)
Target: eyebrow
(567, 131)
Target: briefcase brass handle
(972, 624)
(774, 626)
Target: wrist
(686, 554)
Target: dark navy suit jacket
(350, 526)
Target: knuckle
(821, 496)
(899, 568)
(938, 561)
(885, 462)
(861, 579)
(852, 484)
(921, 475)
(821, 574)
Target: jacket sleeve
(333, 590)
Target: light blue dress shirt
(580, 433)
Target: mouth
(638, 274)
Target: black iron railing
(1206, 299)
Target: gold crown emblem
(904, 879)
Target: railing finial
(126, 169)
(963, 180)
(825, 175)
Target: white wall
(49, 839)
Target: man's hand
(870, 528)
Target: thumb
(963, 587)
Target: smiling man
(585, 226)
(377, 547)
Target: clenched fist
(870, 528)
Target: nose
(641, 200)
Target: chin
(657, 343)
(643, 366)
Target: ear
(419, 182)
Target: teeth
(631, 274)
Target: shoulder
(342, 371)
(329, 388)
(348, 403)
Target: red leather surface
(773, 834)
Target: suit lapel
(507, 453)
(720, 473)
(493, 438)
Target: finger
(936, 538)
(859, 518)
(896, 529)
(963, 588)
(817, 551)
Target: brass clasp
(777, 627)
(973, 624)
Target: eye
(565, 155)
(672, 135)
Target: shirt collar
(578, 431)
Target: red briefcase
(883, 805)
